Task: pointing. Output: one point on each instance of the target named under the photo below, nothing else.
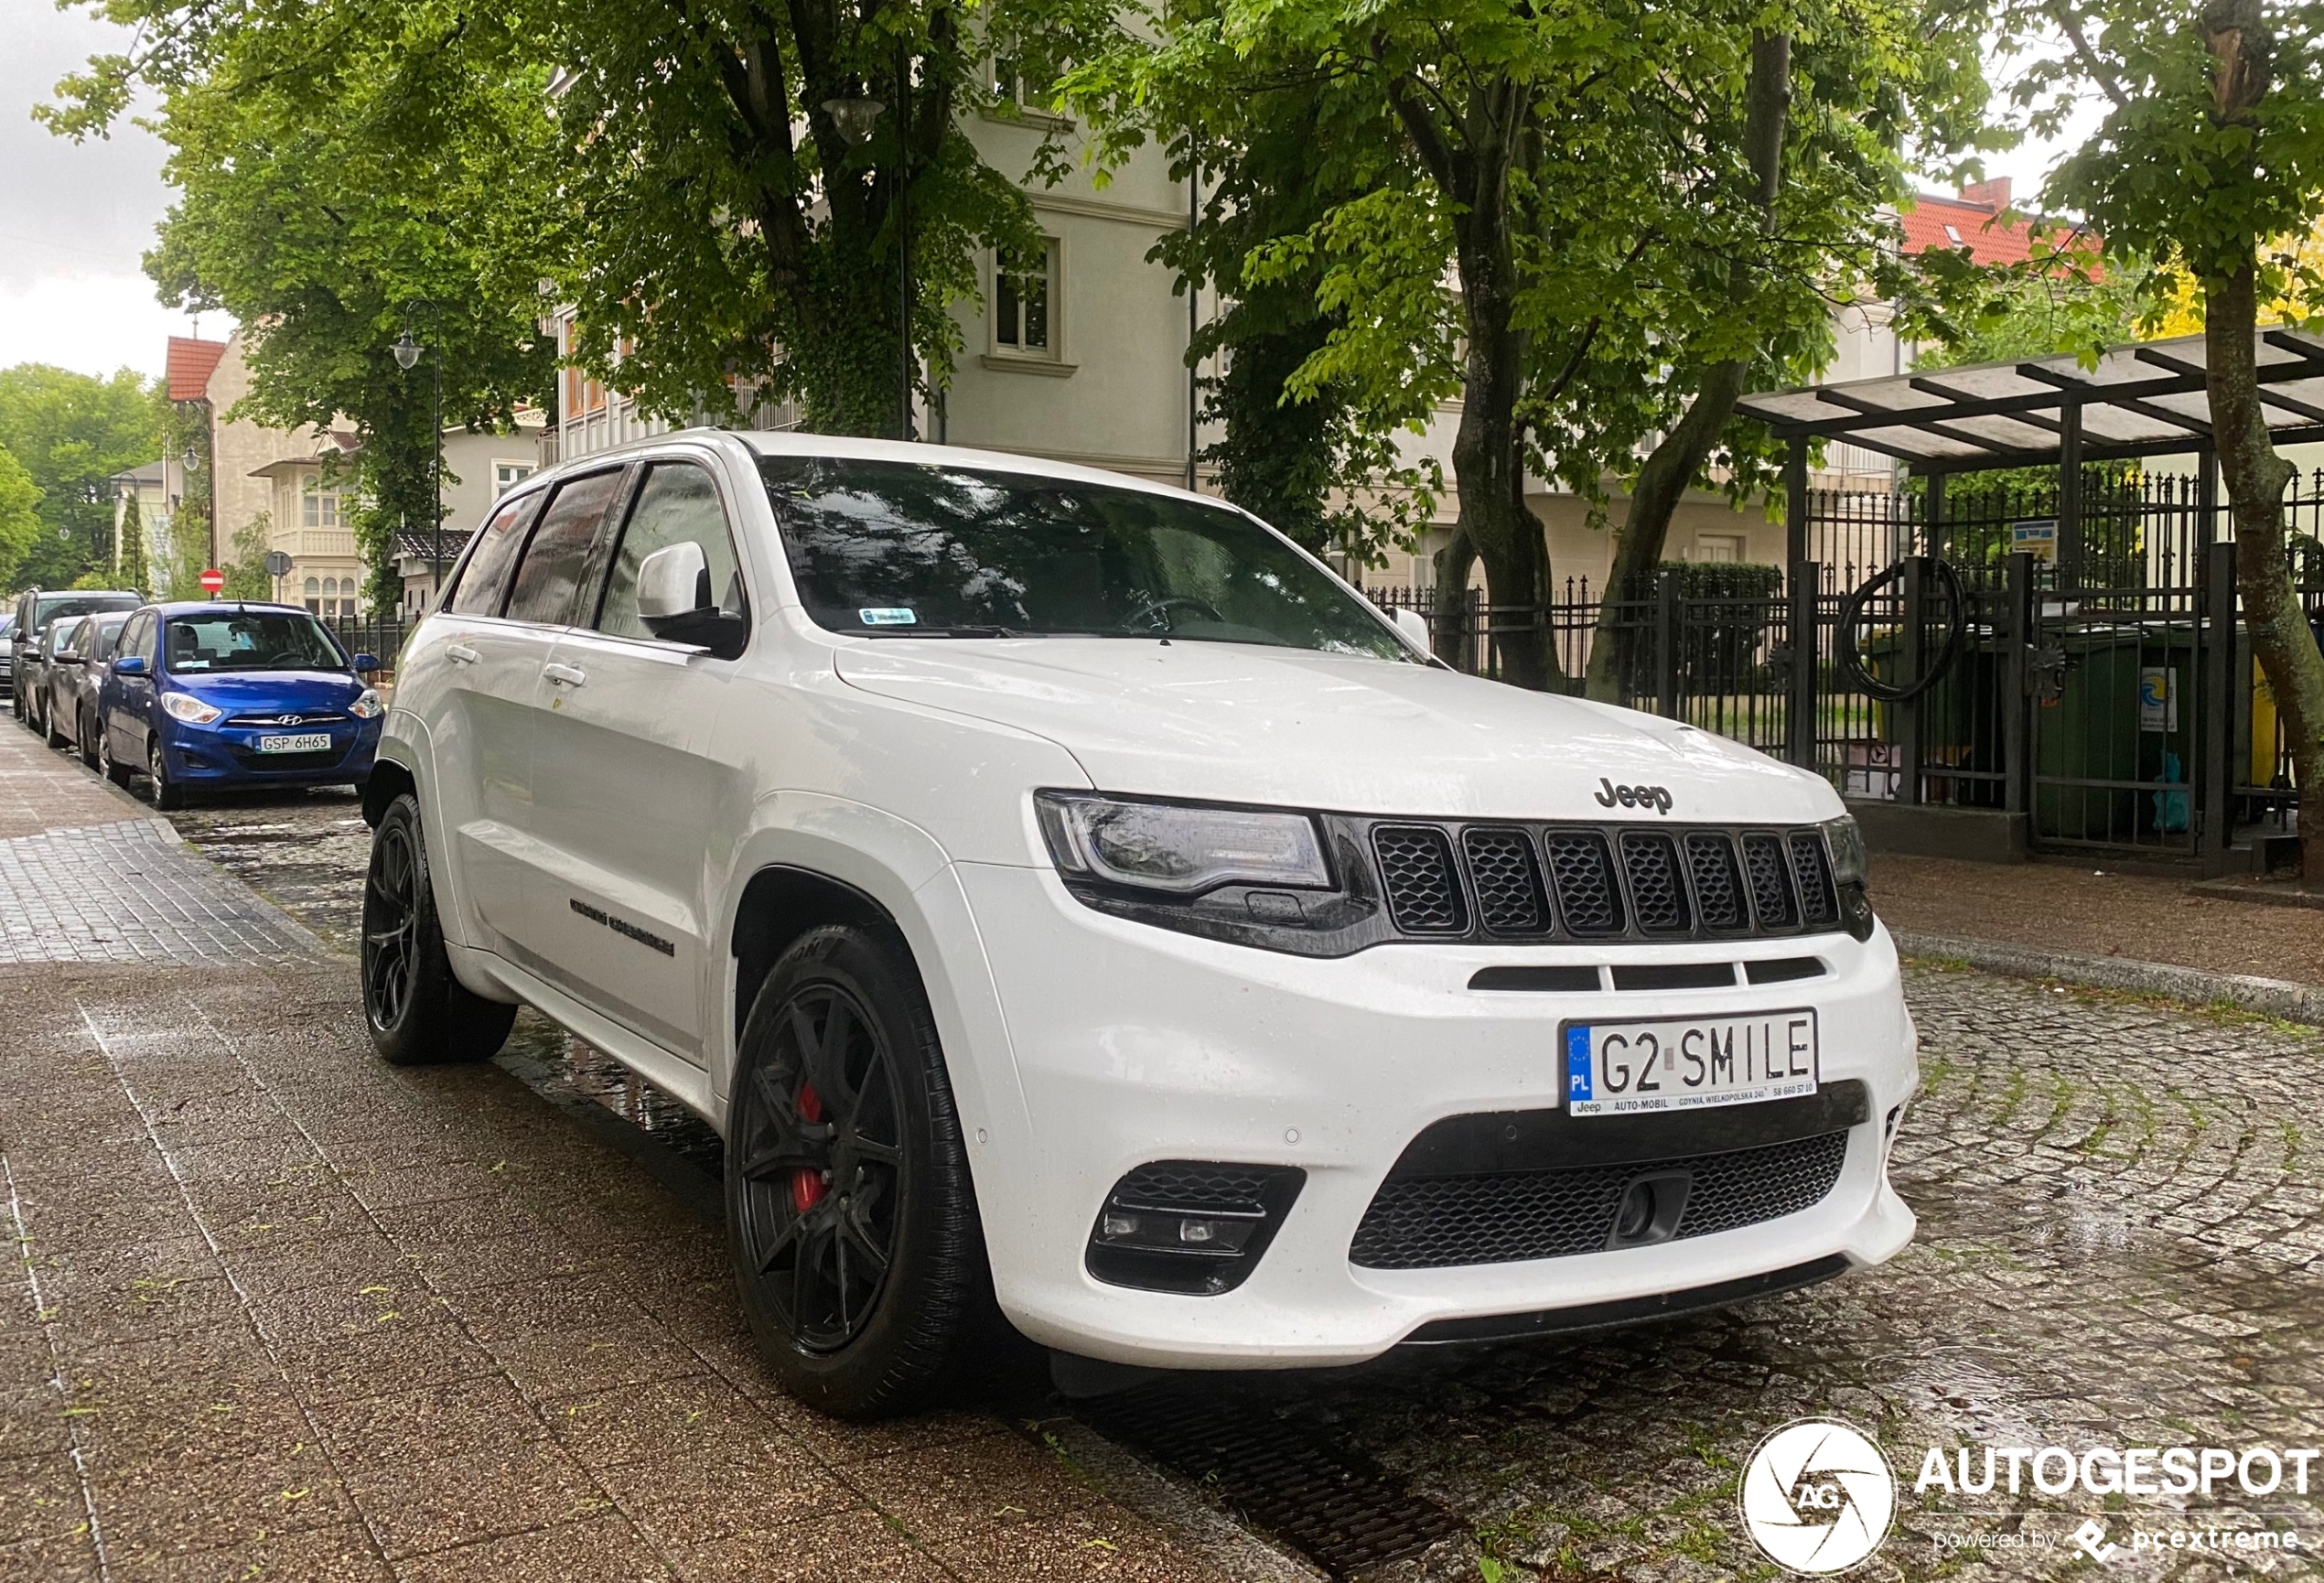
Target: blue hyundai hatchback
(220, 695)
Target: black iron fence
(381, 637)
(2091, 667)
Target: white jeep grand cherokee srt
(1033, 871)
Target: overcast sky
(74, 219)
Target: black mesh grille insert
(1191, 1186)
(1437, 1223)
(1718, 883)
(1658, 893)
(1581, 870)
(1507, 883)
(1771, 882)
(1416, 865)
(1817, 903)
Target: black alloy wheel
(390, 926)
(823, 1167)
(418, 1013)
(56, 738)
(849, 1209)
(88, 741)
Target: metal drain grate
(1333, 1507)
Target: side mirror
(1415, 625)
(673, 582)
(676, 605)
(129, 665)
(364, 663)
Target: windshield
(895, 549)
(251, 640)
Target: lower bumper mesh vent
(1437, 1223)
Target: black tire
(111, 768)
(56, 738)
(418, 1014)
(88, 741)
(167, 796)
(843, 1140)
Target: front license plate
(1688, 1063)
(314, 743)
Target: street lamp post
(407, 354)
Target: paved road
(2120, 1233)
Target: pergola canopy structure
(2144, 400)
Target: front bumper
(1134, 1044)
(229, 756)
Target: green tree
(2212, 149)
(72, 432)
(389, 184)
(132, 573)
(1640, 208)
(245, 562)
(20, 525)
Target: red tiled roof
(190, 363)
(1954, 222)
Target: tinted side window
(486, 578)
(550, 574)
(101, 640)
(133, 636)
(679, 504)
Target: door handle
(566, 675)
(460, 654)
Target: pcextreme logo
(1817, 1497)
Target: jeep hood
(1233, 722)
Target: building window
(1720, 549)
(1025, 294)
(505, 476)
(319, 507)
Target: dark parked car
(35, 611)
(7, 651)
(214, 695)
(83, 654)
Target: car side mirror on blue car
(366, 663)
(129, 665)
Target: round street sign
(279, 565)
(213, 582)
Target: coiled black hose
(1934, 672)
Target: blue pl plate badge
(888, 616)
(1577, 1085)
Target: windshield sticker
(888, 616)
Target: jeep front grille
(1588, 882)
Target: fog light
(1189, 1226)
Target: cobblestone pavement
(2121, 1243)
(132, 891)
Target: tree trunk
(1662, 480)
(2255, 478)
(1449, 620)
(1494, 520)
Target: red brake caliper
(807, 1184)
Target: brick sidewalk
(2082, 909)
(284, 1311)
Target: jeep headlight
(1851, 879)
(1181, 849)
